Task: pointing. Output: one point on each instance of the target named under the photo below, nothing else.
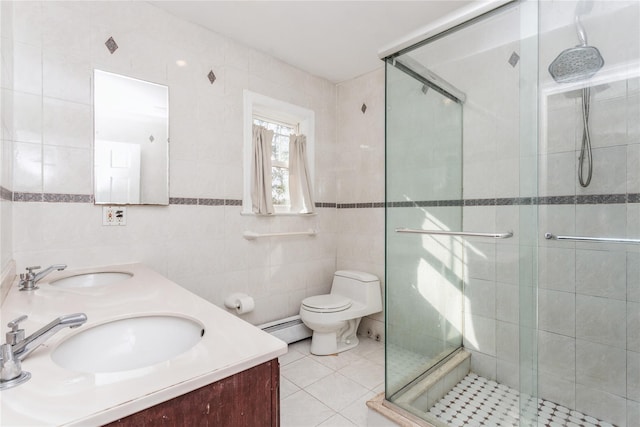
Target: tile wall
(589, 328)
(200, 246)
(360, 180)
(6, 106)
(196, 240)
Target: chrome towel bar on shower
(551, 236)
(456, 233)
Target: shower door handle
(456, 233)
(551, 236)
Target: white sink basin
(128, 344)
(88, 280)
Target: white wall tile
(508, 374)
(609, 171)
(593, 273)
(601, 367)
(483, 365)
(562, 124)
(27, 117)
(633, 277)
(507, 263)
(507, 302)
(601, 320)
(480, 334)
(608, 116)
(27, 68)
(559, 220)
(480, 298)
(557, 389)
(67, 124)
(6, 174)
(557, 175)
(6, 121)
(27, 167)
(480, 260)
(633, 326)
(602, 405)
(557, 312)
(557, 269)
(633, 410)
(633, 164)
(556, 355)
(27, 22)
(66, 170)
(633, 376)
(507, 342)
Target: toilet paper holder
(241, 303)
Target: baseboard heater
(290, 329)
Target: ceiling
(335, 40)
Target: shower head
(575, 64)
(580, 62)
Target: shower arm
(582, 34)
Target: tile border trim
(582, 199)
(5, 194)
(595, 199)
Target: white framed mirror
(131, 140)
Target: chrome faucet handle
(29, 279)
(10, 366)
(30, 269)
(15, 335)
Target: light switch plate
(114, 215)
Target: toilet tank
(358, 286)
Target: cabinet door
(248, 399)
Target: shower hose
(585, 150)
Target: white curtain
(261, 171)
(300, 190)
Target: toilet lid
(329, 303)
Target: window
(279, 160)
(283, 119)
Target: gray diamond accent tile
(211, 76)
(111, 45)
(363, 108)
(151, 138)
(513, 59)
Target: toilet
(334, 317)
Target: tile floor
(330, 390)
(476, 401)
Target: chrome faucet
(29, 280)
(17, 347)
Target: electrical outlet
(114, 215)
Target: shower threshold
(477, 401)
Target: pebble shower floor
(476, 401)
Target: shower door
(461, 149)
(424, 191)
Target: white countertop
(57, 396)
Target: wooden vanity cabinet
(248, 399)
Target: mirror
(131, 140)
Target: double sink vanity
(148, 352)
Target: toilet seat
(330, 303)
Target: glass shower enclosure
(507, 279)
